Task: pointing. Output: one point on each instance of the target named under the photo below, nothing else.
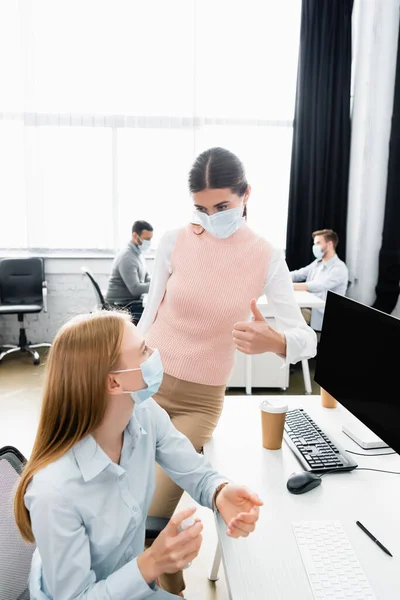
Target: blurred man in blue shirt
(326, 272)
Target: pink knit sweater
(210, 289)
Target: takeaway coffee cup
(272, 424)
(327, 400)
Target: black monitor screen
(358, 363)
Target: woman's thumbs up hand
(257, 336)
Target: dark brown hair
(218, 168)
(329, 235)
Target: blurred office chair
(23, 290)
(101, 301)
(135, 307)
(15, 554)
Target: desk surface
(304, 300)
(267, 565)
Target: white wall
(69, 293)
(376, 28)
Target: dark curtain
(387, 289)
(321, 136)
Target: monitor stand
(363, 436)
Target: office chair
(135, 307)
(101, 301)
(23, 290)
(15, 554)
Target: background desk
(303, 299)
(267, 370)
(268, 565)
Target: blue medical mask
(152, 373)
(145, 245)
(318, 252)
(222, 224)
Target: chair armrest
(44, 293)
(154, 526)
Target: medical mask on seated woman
(222, 224)
(152, 372)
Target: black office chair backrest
(100, 298)
(21, 281)
(15, 554)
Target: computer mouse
(300, 483)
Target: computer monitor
(358, 363)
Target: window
(13, 224)
(69, 187)
(152, 178)
(108, 102)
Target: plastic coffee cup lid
(269, 407)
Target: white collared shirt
(301, 341)
(88, 514)
(321, 277)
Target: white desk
(266, 370)
(267, 565)
(303, 299)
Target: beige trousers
(194, 410)
(306, 312)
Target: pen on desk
(373, 538)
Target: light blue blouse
(88, 514)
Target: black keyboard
(312, 446)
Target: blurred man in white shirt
(326, 272)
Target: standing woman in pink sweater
(205, 278)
